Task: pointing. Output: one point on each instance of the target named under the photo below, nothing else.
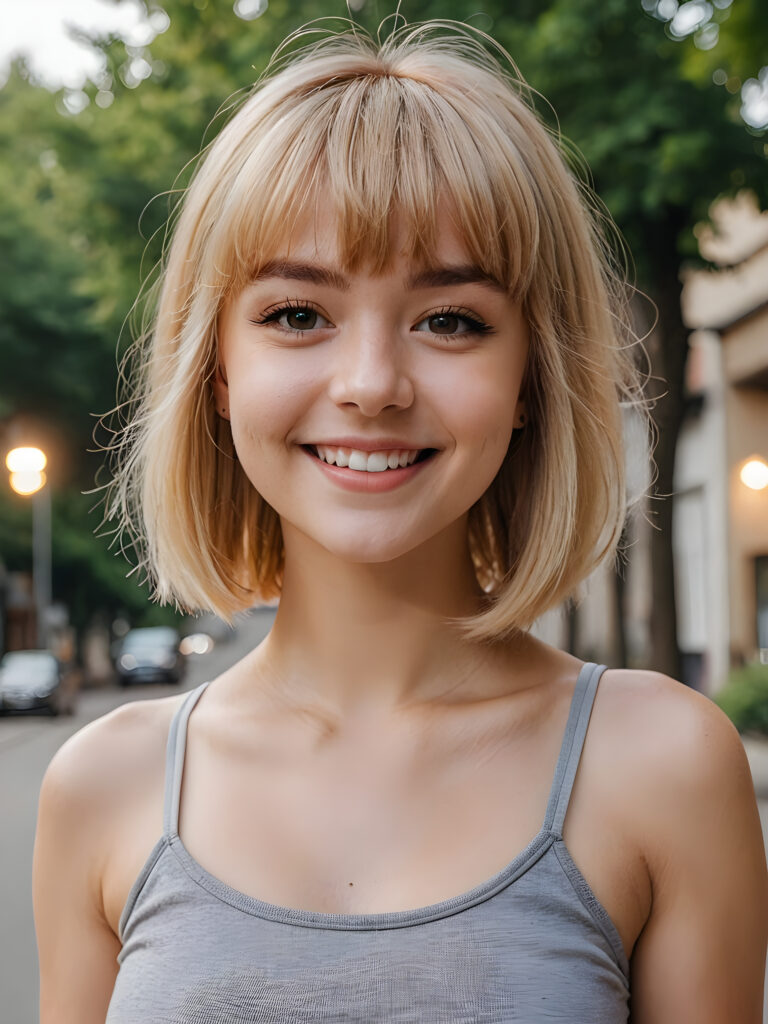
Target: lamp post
(26, 466)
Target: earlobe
(220, 393)
(520, 416)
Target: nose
(370, 371)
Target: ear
(220, 393)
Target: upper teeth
(368, 462)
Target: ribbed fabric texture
(530, 945)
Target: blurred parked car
(150, 655)
(33, 680)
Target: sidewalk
(757, 753)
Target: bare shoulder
(674, 747)
(675, 760)
(98, 767)
(93, 791)
(688, 785)
(677, 735)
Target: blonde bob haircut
(428, 116)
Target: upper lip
(371, 444)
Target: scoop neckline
(517, 867)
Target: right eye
(296, 318)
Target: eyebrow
(466, 273)
(430, 277)
(312, 273)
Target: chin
(366, 552)
(368, 546)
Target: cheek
(259, 420)
(267, 397)
(482, 407)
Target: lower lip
(368, 483)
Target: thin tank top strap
(573, 743)
(174, 760)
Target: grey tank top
(532, 944)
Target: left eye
(299, 319)
(447, 324)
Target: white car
(32, 680)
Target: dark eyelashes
(275, 312)
(478, 326)
(475, 325)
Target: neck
(367, 638)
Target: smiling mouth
(369, 462)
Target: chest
(382, 827)
(490, 963)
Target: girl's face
(328, 378)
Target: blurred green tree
(87, 181)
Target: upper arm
(701, 955)
(77, 948)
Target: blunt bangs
(426, 125)
(370, 144)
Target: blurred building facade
(720, 531)
(728, 372)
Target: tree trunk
(668, 352)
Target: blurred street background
(104, 106)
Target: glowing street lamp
(754, 473)
(26, 466)
(18, 460)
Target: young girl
(385, 382)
